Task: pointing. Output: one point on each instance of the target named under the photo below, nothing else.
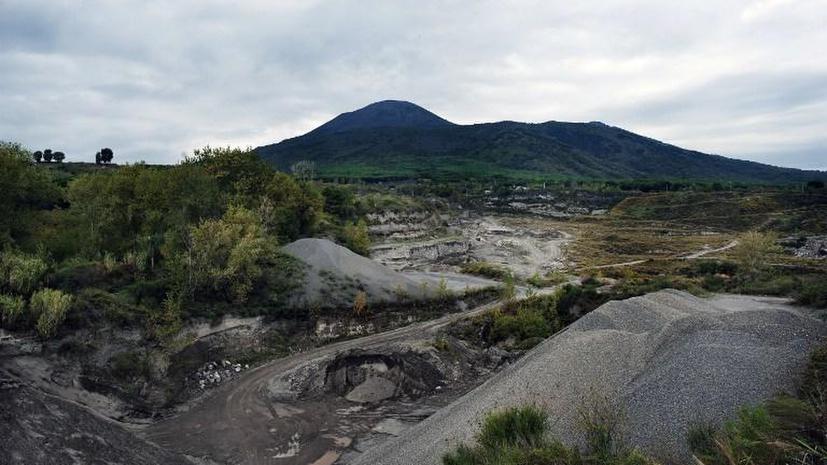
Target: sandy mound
(335, 274)
(671, 359)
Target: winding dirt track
(239, 424)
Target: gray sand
(671, 359)
(334, 275)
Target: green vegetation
(49, 307)
(356, 237)
(522, 324)
(487, 270)
(150, 246)
(519, 436)
(785, 430)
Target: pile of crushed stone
(334, 275)
(671, 360)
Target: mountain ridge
(394, 138)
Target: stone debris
(214, 373)
(811, 247)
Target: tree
(38, 156)
(24, 189)
(226, 254)
(98, 159)
(304, 170)
(106, 155)
(356, 237)
(47, 155)
(59, 157)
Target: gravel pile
(335, 275)
(670, 359)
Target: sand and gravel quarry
(669, 359)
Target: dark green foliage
(485, 269)
(518, 436)
(522, 427)
(813, 293)
(25, 190)
(130, 366)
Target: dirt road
(240, 423)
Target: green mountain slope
(400, 139)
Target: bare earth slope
(673, 360)
(335, 275)
(38, 429)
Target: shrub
(754, 250)
(21, 273)
(49, 306)
(360, 304)
(813, 293)
(356, 237)
(485, 269)
(525, 324)
(517, 436)
(518, 426)
(11, 308)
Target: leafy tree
(357, 238)
(37, 156)
(237, 170)
(47, 155)
(59, 157)
(339, 201)
(98, 159)
(24, 189)
(289, 209)
(226, 255)
(106, 155)
(304, 170)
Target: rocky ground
(523, 245)
(667, 361)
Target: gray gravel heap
(335, 274)
(670, 359)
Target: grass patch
(519, 436)
(487, 270)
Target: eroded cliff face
(402, 225)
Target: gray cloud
(153, 79)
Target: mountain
(400, 139)
(384, 114)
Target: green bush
(11, 309)
(813, 293)
(487, 270)
(21, 273)
(519, 426)
(49, 306)
(525, 324)
(518, 436)
(356, 237)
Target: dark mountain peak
(384, 114)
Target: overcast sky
(154, 79)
